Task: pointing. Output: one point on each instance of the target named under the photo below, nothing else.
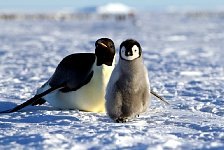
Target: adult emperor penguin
(128, 90)
(79, 81)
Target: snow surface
(184, 56)
(114, 8)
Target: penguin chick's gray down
(128, 90)
(79, 81)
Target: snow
(114, 8)
(109, 9)
(183, 54)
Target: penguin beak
(102, 44)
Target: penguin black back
(70, 65)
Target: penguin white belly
(89, 97)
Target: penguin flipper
(86, 81)
(40, 101)
(32, 100)
(159, 97)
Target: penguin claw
(121, 120)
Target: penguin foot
(121, 120)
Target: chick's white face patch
(131, 54)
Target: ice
(114, 8)
(183, 54)
(177, 38)
(191, 73)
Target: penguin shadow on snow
(7, 105)
(21, 139)
(48, 118)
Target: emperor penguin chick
(128, 90)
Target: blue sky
(30, 5)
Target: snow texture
(115, 9)
(184, 56)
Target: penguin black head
(105, 51)
(130, 50)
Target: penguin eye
(135, 48)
